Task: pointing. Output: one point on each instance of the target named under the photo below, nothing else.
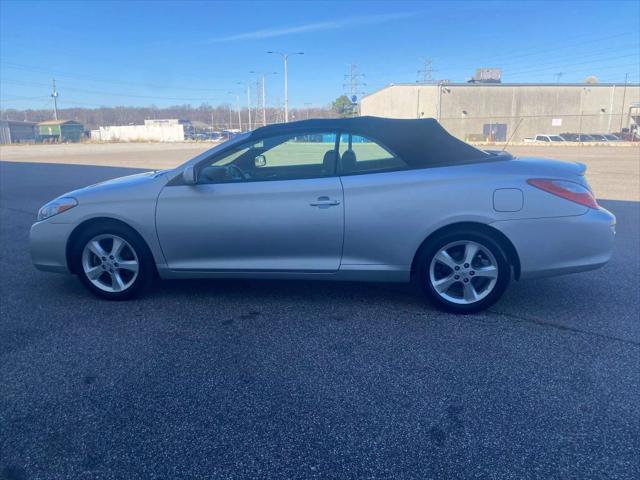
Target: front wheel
(463, 272)
(113, 262)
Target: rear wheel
(113, 262)
(463, 272)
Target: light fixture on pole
(285, 57)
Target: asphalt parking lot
(257, 379)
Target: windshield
(218, 148)
(556, 138)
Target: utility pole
(54, 94)
(624, 95)
(559, 76)
(264, 102)
(249, 104)
(307, 105)
(353, 85)
(238, 106)
(285, 57)
(426, 72)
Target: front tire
(112, 261)
(463, 272)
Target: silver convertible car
(364, 198)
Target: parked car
(545, 139)
(335, 199)
(598, 137)
(628, 135)
(576, 137)
(610, 137)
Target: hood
(135, 179)
(144, 183)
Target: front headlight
(56, 206)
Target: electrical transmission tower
(352, 86)
(425, 75)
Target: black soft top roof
(419, 142)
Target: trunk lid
(547, 168)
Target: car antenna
(512, 134)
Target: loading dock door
(495, 132)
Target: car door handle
(324, 202)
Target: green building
(60, 131)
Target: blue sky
(168, 53)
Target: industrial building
(12, 131)
(157, 130)
(60, 131)
(500, 111)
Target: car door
(380, 205)
(269, 205)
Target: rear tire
(112, 261)
(463, 271)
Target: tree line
(218, 117)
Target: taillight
(568, 190)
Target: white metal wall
(142, 133)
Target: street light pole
(238, 106)
(285, 57)
(264, 103)
(249, 105)
(286, 88)
(248, 102)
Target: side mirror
(260, 161)
(189, 175)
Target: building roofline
(58, 122)
(489, 84)
(19, 121)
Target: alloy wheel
(110, 263)
(463, 272)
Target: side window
(283, 157)
(361, 155)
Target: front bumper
(560, 245)
(48, 245)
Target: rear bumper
(561, 245)
(48, 245)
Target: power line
(117, 94)
(82, 77)
(541, 50)
(569, 65)
(554, 67)
(554, 55)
